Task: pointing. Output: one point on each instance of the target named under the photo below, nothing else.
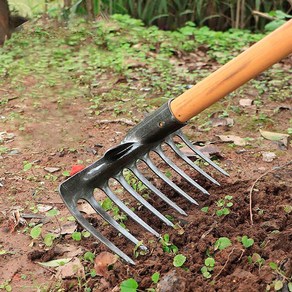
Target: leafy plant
(155, 277)
(36, 231)
(208, 268)
(76, 236)
(222, 243)
(167, 246)
(6, 286)
(179, 260)
(246, 242)
(138, 251)
(108, 205)
(129, 285)
(27, 165)
(256, 259)
(279, 18)
(224, 206)
(49, 239)
(89, 256)
(205, 209)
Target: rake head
(159, 127)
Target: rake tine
(112, 222)
(156, 191)
(159, 151)
(152, 166)
(171, 143)
(85, 224)
(139, 198)
(128, 211)
(199, 153)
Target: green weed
(167, 246)
(179, 260)
(208, 267)
(223, 206)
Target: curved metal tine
(152, 166)
(172, 145)
(159, 151)
(85, 224)
(139, 198)
(93, 203)
(199, 153)
(156, 191)
(128, 211)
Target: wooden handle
(268, 51)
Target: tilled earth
(59, 136)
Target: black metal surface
(147, 136)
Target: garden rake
(161, 127)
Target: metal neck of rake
(155, 127)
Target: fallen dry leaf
(44, 208)
(68, 250)
(274, 136)
(207, 150)
(86, 208)
(68, 228)
(102, 261)
(73, 269)
(231, 138)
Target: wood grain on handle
(268, 51)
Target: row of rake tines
(133, 168)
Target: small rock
(245, 102)
(269, 156)
(217, 122)
(44, 208)
(52, 169)
(171, 282)
(14, 152)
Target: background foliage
(170, 14)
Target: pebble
(171, 282)
(269, 156)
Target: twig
(122, 121)
(209, 230)
(253, 185)
(262, 14)
(228, 258)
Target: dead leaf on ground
(69, 250)
(55, 263)
(235, 139)
(86, 208)
(73, 269)
(67, 228)
(207, 150)
(274, 136)
(44, 208)
(102, 261)
(13, 220)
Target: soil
(64, 135)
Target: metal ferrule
(155, 127)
